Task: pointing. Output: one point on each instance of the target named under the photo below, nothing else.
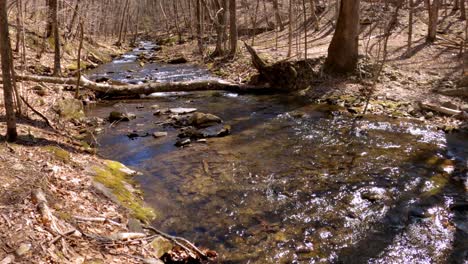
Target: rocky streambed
(281, 179)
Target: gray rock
(159, 134)
(134, 225)
(23, 249)
(154, 107)
(178, 60)
(450, 105)
(119, 116)
(216, 131)
(182, 110)
(183, 142)
(429, 115)
(203, 120)
(39, 90)
(160, 246)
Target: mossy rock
(59, 153)
(118, 179)
(69, 109)
(74, 66)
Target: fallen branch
(146, 88)
(37, 112)
(177, 240)
(59, 236)
(462, 91)
(440, 109)
(96, 219)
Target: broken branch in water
(177, 240)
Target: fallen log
(461, 91)
(440, 109)
(147, 88)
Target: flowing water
(295, 182)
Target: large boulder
(70, 109)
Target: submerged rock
(119, 116)
(183, 142)
(181, 110)
(216, 131)
(136, 134)
(178, 60)
(159, 134)
(203, 120)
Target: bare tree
(5, 51)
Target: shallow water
(297, 182)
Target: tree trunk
(233, 26)
(344, 47)
(54, 11)
(463, 9)
(279, 22)
(433, 10)
(410, 25)
(73, 20)
(290, 28)
(199, 17)
(313, 15)
(254, 22)
(119, 42)
(305, 28)
(5, 51)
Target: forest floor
(56, 161)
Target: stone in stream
(119, 116)
(181, 110)
(159, 134)
(182, 142)
(102, 79)
(178, 60)
(154, 107)
(136, 134)
(203, 120)
(218, 130)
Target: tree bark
(433, 10)
(344, 47)
(279, 22)
(233, 27)
(5, 51)
(54, 11)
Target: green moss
(59, 153)
(119, 182)
(70, 109)
(74, 66)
